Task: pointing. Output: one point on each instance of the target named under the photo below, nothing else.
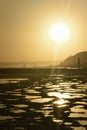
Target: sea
(43, 98)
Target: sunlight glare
(60, 32)
(59, 95)
(60, 102)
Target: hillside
(73, 61)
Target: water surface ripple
(51, 102)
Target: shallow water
(11, 80)
(50, 102)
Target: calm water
(41, 102)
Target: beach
(43, 98)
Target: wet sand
(42, 99)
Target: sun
(60, 32)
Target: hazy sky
(24, 27)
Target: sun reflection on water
(59, 95)
(60, 102)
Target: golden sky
(24, 27)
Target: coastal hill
(75, 60)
